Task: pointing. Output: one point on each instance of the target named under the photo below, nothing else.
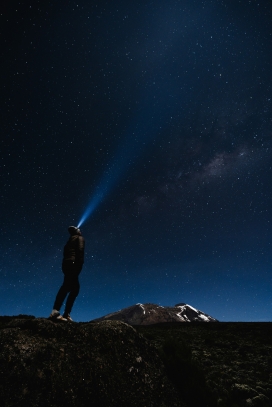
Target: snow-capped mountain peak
(147, 314)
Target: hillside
(235, 358)
(109, 363)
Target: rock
(261, 390)
(260, 401)
(242, 392)
(105, 364)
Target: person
(73, 259)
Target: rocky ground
(106, 364)
(236, 358)
(110, 364)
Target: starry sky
(157, 116)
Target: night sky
(156, 115)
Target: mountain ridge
(148, 314)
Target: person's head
(74, 230)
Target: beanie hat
(73, 230)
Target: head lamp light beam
(147, 124)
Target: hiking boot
(54, 314)
(65, 318)
(61, 318)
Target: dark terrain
(109, 363)
(236, 358)
(54, 364)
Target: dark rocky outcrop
(235, 358)
(43, 363)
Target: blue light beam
(161, 94)
(158, 108)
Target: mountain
(147, 314)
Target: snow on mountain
(147, 314)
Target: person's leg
(63, 291)
(74, 290)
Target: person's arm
(80, 251)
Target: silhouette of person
(73, 259)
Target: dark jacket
(74, 250)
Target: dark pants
(70, 285)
